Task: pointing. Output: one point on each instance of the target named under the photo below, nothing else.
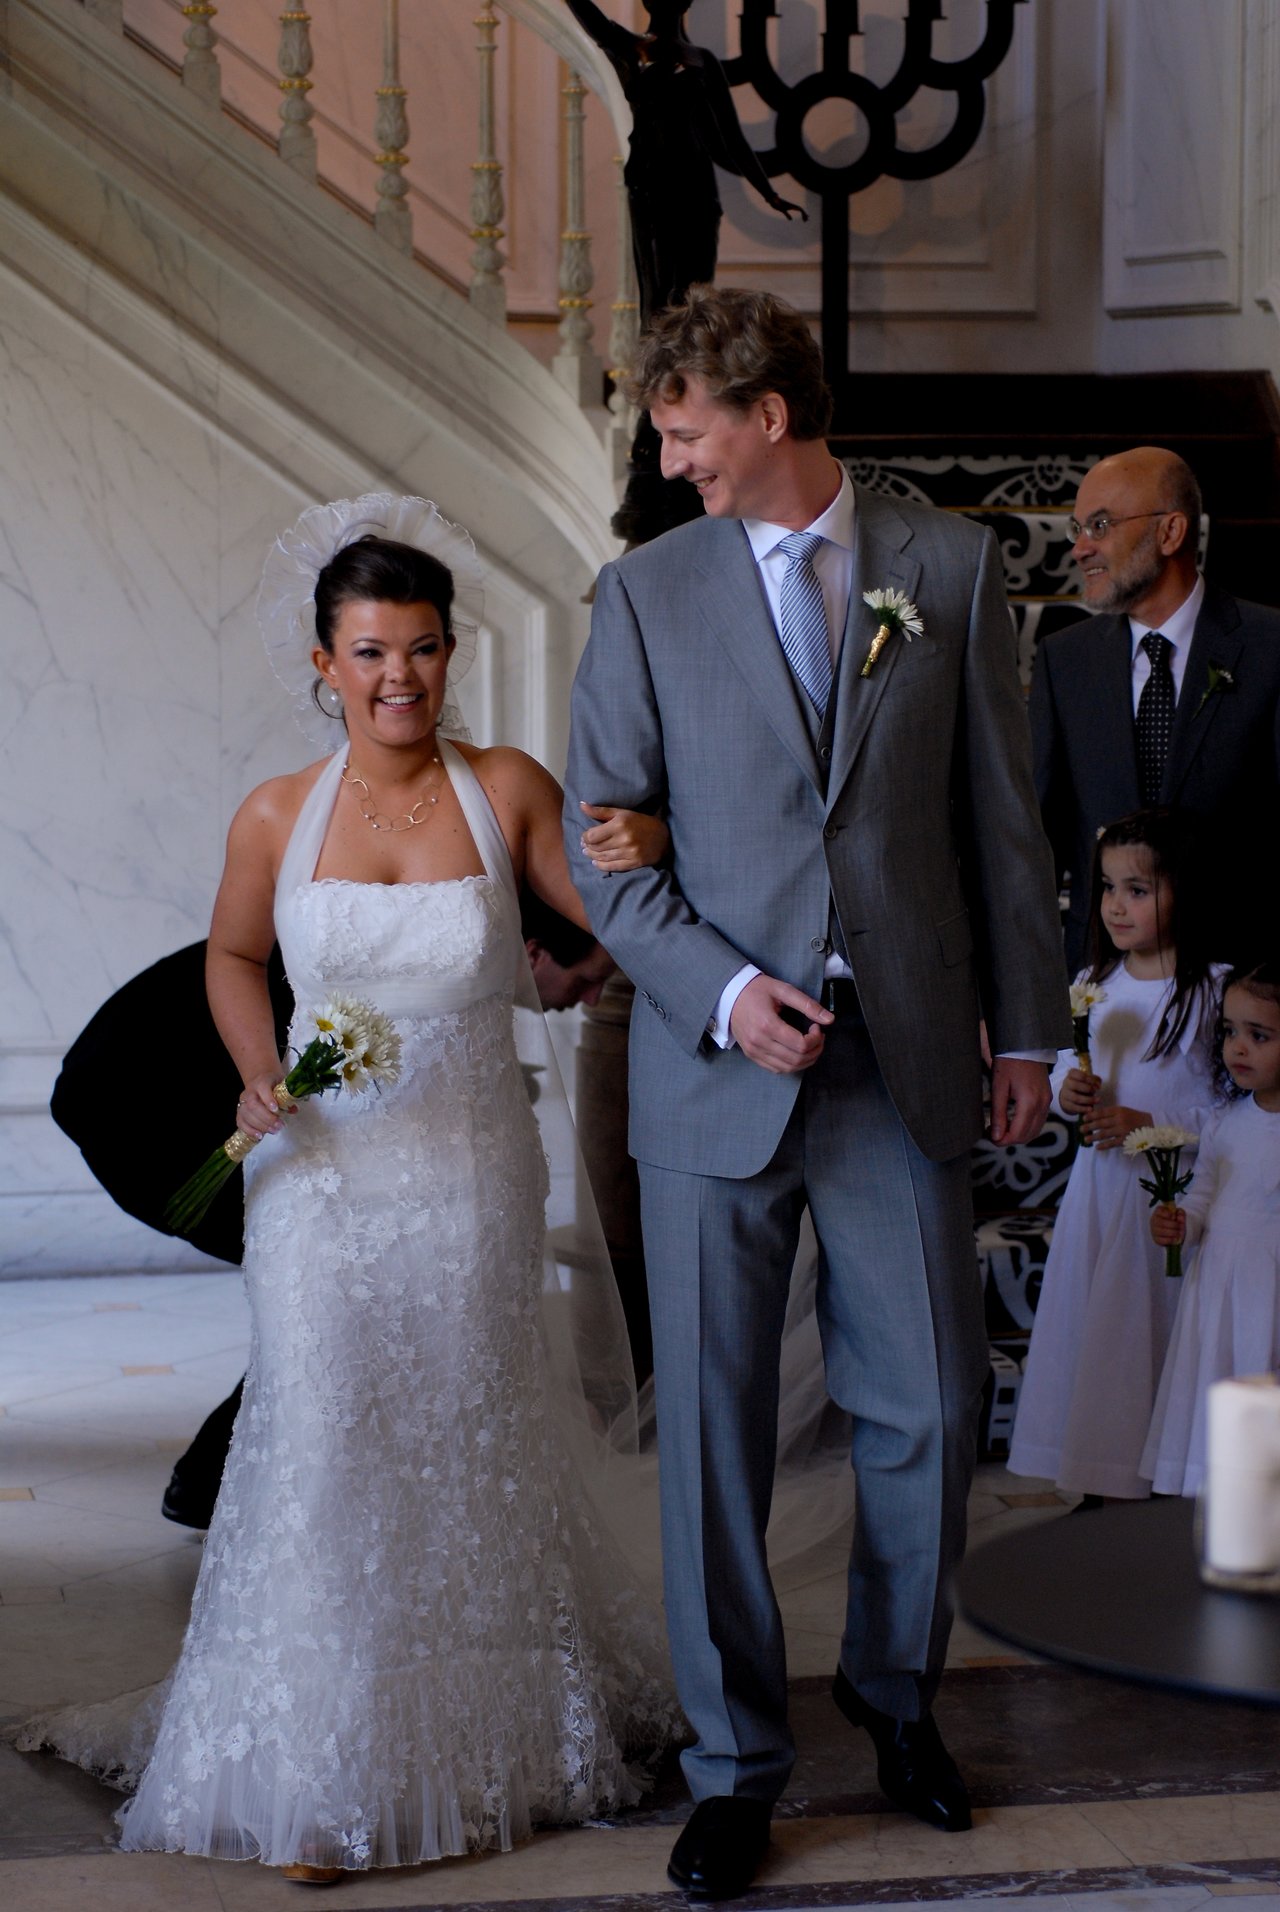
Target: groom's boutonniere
(897, 615)
(1219, 680)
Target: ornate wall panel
(965, 243)
(1262, 142)
(1174, 153)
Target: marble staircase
(198, 342)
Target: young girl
(1228, 1320)
(1106, 1307)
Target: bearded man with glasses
(1170, 695)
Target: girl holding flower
(1106, 1308)
(1228, 1320)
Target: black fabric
(197, 1475)
(1155, 717)
(1223, 762)
(141, 1168)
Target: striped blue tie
(802, 617)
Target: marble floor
(1089, 1796)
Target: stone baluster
(297, 142)
(488, 293)
(110, 13)
(576, 364)
(392, 217)
(201, 73)
(623, 334)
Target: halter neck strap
(410, 996)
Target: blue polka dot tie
(1155, 717)
(802, 617)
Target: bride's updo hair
(374, 570)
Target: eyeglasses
(1102, 522)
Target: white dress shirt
(1179, 629)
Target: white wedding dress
(412, 1633)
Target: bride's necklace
(378, 819)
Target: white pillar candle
(1242, 1477)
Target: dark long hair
(1171, 840)
(380, 570)
(1256, 979)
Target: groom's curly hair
(740, 345)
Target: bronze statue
(684, 125)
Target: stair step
(1124, 408)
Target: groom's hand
(1019, 1100)
(765, 1038)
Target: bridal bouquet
(354, 1048)
(1084, 996)
(1161, 1147)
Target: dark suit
(1224, 754)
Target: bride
(412, 1633)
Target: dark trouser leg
(197, 1474)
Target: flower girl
(1228, 1320)
(1106, 1308)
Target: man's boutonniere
(897, 614)
(1219, 680)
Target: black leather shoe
(719, 1852)
(913, 1766)
(188, 1506)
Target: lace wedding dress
(412, 1635)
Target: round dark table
(1117, 1591)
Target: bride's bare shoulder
(506, 771)
(272, 808)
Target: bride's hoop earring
(327, 699)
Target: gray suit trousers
(900, 1310)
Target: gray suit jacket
(1224, 752)
(923, 828)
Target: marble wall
(184, 367)
(140, 709)
(195, 343)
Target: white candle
(1242, 1477)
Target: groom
(857, 876)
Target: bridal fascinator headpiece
(287, 594)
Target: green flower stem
(1080, 1043)
(315, 1071)
(1164, 1187)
